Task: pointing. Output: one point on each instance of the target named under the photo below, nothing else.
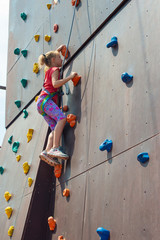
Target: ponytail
(45, 59)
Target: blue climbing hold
(10, 139)
(16, 51)
(23, 16)
(143, 157)
(18, 103)
(25, 113)
(24, 82)
(113, 42)
(15, 146)
(103, 233)
(1, 170)
(24, 53)
(126, 77)
(106, 145)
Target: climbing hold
(24, 82)
(61, 237)
(74, 1)
(10, 140)
(36, 98)
(106, 145)
(113, 42)
(65, 108)
(18, 157)
(35, 68)
(103, 233)
(47, 38)
(55, 28)
(36, 37)
(58, 170)
(143, 157)
(23, 16)
(76, 79)
(7, 196)
(26, 167)
(51, 223)
(71, 119)
(24, 53)
(1, 170)
(8, 211)
(10, 231)
(49, 6)
(29, 135)
(25, 113)
(18, 103)
(63, 51)
(15, 146)
(30, 181)
(126, 77)
(66, 192)
(16, 51)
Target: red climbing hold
(51, 223)
(55, 28)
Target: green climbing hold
(10, 140)
(18, 103)
(24, 82)
(25, 113)
(23, 16)
(24, 53)
(1, 170)
(16, 51)
(15, 147)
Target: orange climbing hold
(74, 1)
(61, 237)
(76, 79)
(71, 119)
(63, 51)
(66, 192)
(57, 170)
(51, 223)
(65, 108)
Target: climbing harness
(49, 96)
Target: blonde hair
(45, 59)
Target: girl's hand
(60, 48)
(72, 75)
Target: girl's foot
(57, 153)
(48, 159)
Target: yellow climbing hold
(8, 211)
(49, 6)
(29, 134)
(36, 98)
(26, 167)
(36, 37)
(7, 196)
(47, 38)
(30, 181)
(18, 158)
(10, 231)
(35, 68)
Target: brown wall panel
(127, 114)
(13, 179)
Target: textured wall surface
(111, 190)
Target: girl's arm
(58, 83)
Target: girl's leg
(58, 132)
(49, 142)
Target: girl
(47, 104)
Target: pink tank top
(48, 83)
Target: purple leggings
(53, 112)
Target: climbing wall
(107, 189)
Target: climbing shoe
(57, 153)
(48, 159)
